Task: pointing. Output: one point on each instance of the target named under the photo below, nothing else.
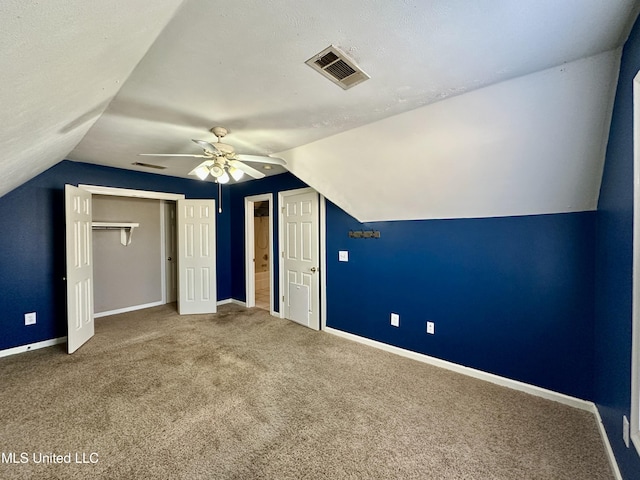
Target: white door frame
(249, 249)
(635, 349)
(127, 192)
(168, 227)
(322, 228)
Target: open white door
(78, 219)
(300, 258)
(196, 256)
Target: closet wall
(126, 276)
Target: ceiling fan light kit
(222, 162)
(236, 173)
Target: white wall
(530, 145)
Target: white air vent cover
(337, 67)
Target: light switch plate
(30, 318)
(343, 256)
(431, 328)
(395, 320)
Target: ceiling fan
(222, 162)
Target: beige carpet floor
(243, 395)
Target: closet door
(78, 219)
(197, 256)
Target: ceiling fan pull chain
(219, 197)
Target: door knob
(314, 269)
(169, 259)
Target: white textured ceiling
(241, 65)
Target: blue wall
(32, 251)
(614, 266)
(510, 296)
(274, 184)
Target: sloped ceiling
(473, 108)
(62, 62)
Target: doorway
(79, 224)
(258, 251)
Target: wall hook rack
(364, 233)
(126, 229)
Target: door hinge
(282, 209)
(283, 298)
(282, 254)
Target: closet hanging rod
(126, 229)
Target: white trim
(249, 248)
(607, 445)
(163, 252)
(471, 372)
(249, 252)
(32, 346)
(127, 192)
(497, 380)
(634, 424)
(323, 262)
(133, 308)
(227, 301)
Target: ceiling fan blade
(252, 172)
(208, 147)
(172, 155)
(260, 159)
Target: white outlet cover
(343, 256)
(431, 328)
(395, 320)
(30, 318)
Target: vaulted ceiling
(473, 109)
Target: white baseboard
(496, 379)
(226, 301)
(472, 372)
(32, 346)
(127, 309)
(607, 444)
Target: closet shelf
(126, 229)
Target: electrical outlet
(625, 430)
(343, 256)
(30, 318)
(395, 320)
(431, 328)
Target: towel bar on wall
(126, 229)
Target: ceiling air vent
(148, 165)
(337, 67)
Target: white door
(196, 256)
(78, 219)
(170, 252)
(300, 256)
